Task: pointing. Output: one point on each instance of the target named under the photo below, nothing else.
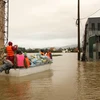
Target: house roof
(93, 20)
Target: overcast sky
(47, 23)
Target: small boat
(35, 76)
(27, 71)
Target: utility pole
(4, 5)
(6, 21)
(79, 30)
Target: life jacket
(49, 55)
(20, 60)
(27, 62)
(9, 50)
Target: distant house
(53, 49)
(64, 50)
(91, 43)
(75, 50)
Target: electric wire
(90, 14)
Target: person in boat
(19, 60)
(10, 50)
(6, 66)
(42, 52)
(46, 58)
(27, 61)
(49, 55)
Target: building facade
(92, 38)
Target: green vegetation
(54, 50)
(37, 50)
(56, 55)
(28, 50)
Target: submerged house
(91, 42)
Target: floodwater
(68, 79)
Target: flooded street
(67, 79)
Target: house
(91, 42)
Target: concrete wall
(98, 47)
(92, 48)
(2, 22)
(94, 20)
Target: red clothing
(49, 55)
(10, 51)
(27, 62)
(11, 58)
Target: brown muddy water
(67, 79)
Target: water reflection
(26, 88)
(68, 80)
(88, 80)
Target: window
(99, 55)
(94, 47)
(93, 26)
(99, 39)
(98, 26)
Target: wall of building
(2, 22)
(94, 20)
(92, 41)
(92, 47)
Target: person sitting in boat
(10, 50)
(45, 58)
(49, 55)
(6, 66)
(27, 61)
(20, 60)
(42, 52)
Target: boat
(19, 72)
(35, 76)
(4, 41)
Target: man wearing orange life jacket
(10, 52)
(48, 54)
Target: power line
(87, 16)
(90, 15)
